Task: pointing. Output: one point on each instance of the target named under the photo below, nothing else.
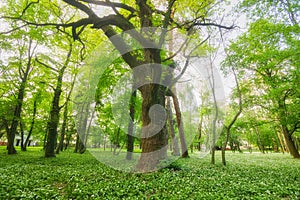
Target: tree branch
(240, 101)
(45, 65)
(188, 60)
(12, 30)
(175, 54)
(82, 7)
(110, 4)
(214, 24)
(121, 46)
(30, 4)
(296, 127)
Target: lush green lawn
(72, 176)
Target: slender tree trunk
(260, 146)
(21, 93)
(104, 144)
(117, 143)
(77, 144)
(60, 145)
(199, 133)
(228, 128)
(79, 147)
(89, 127)
(82, 128)
(214, 125)
(174, 140)
(130, 138)
(227, 135)
(31, 126)
(184, 149)
(282, 145)
(213, 150)
(22, 136)
(67, 141)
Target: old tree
(78, 16)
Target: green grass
(28, 175)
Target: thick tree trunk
(184, 149)
(213, 152)
(55, 109)
(17, 114)
(130, 138)
(54, 117)
(154, 138)
(10, 143)
(53, 123)
(285, 131)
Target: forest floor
(28, 175)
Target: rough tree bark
(21, 93)
(60, 145)
(130, 138)
(154, 148)
(55, 109)
(290, 143)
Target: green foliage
(72, 176)
(266, 59)
(286, 11)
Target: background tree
(268, 55)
